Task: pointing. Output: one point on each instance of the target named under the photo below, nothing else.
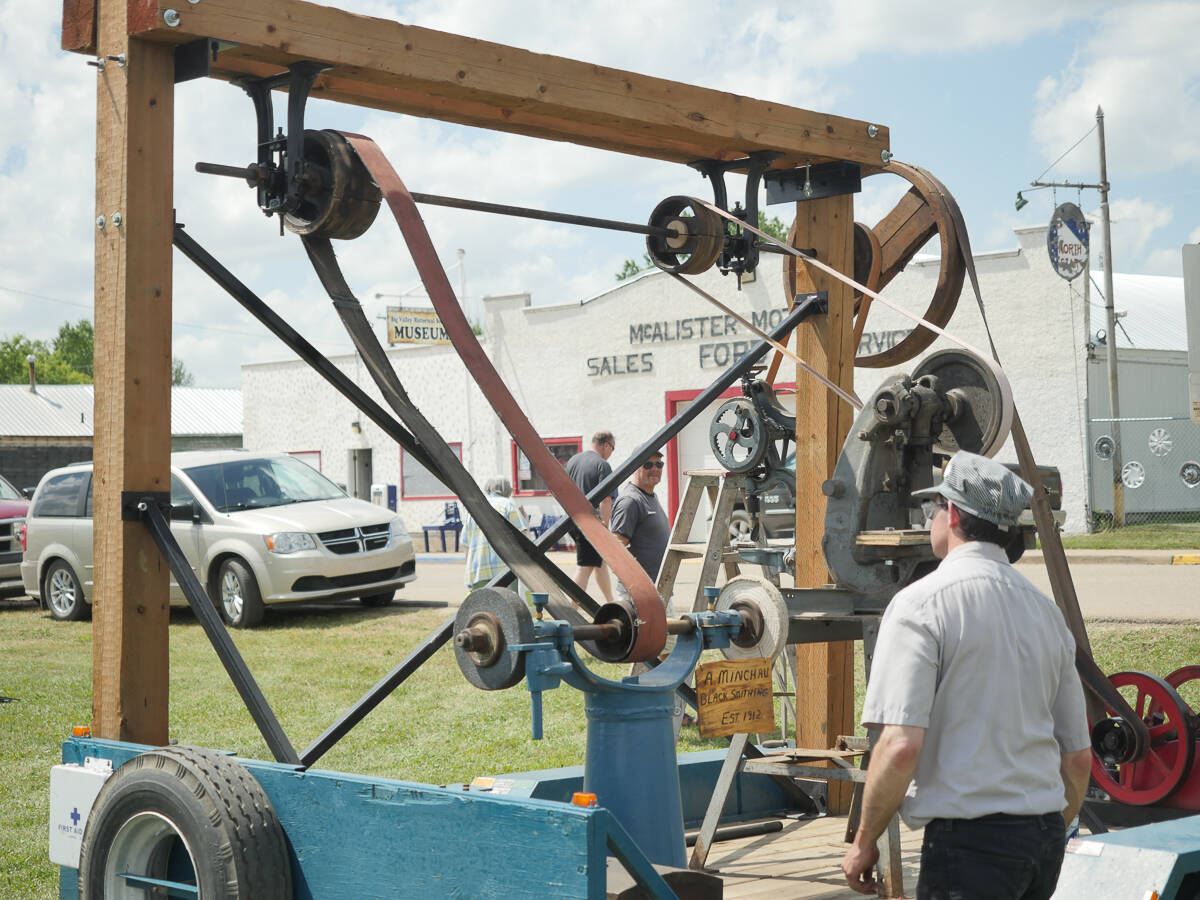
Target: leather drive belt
(523, 557)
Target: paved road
(1124, 587)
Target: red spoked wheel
(1167, 761)
(1182, 676)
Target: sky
(987, 96)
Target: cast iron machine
(630, 762)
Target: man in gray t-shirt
(983, 733)
(638, 519)
(588, 469)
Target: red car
(13, 507)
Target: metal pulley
(339, 199)
(697, 241)
(738, 436)
(980, 398)
(764, 615)
(488, 624)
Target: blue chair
(545, 525)
(451, 521)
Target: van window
(59, 497)
(180, 495)
(258, 483)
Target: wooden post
(134, 137)
(824, 672)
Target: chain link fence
(1159, 469)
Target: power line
(1069, 149)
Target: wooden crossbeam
(407, 69)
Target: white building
(629, 358)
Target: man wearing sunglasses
(983, 736)
(638, 519)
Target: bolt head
(171, 18)
(872, 131)
(885, 156)
(100, 223)
(116, 219)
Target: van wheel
(238, 595)
(63, 593)
(376, 600)
(187, 820)
(741, 528)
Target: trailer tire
(187, 815)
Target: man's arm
(606, 510)
(893, 762)
(1076, 769)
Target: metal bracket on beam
(195, 58)
(134, 504)
(813, 182)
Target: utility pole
(1110, 331)
(1110, 327)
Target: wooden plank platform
(802, 861)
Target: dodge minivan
(256, 528)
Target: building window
(312, 457)
(418, 483)
(528, 481)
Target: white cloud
(1141, 66)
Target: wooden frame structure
(400, 68)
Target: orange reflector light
(81, 731)
(579, 798)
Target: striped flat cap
(982, 487)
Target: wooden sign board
(735, 697)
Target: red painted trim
(307, 453)
(404, 496)
(675, 399)
(549, 442)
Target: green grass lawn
(1175, 532)
(436, 728)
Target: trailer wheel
(188, 821)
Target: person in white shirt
(983, 735)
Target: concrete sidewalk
(1119, 557)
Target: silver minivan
(256, 528)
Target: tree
(68, 359)
(772, 226)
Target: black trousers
(996, 857)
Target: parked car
(256, 528)
(13, 506)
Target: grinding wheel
(497, 618)
(738, 437)
(981, 395)
(767, 633)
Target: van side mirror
(184, 512)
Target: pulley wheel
(881, 253)
(981, 398)
(765, 615)
(697, 243)
(1168, 759)
(738, 436)
(339, 199)
(488, 624)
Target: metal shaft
(543, 215)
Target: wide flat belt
(649, 610)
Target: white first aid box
(73, 790)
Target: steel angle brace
(147, 507)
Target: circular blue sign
(1067, 241)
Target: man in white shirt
(983, 733)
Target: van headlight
(396, 531)
(290, 542)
